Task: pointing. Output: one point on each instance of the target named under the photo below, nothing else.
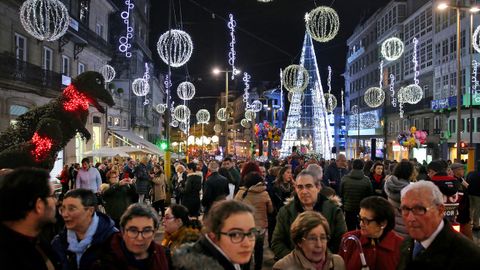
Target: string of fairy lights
(124, 40)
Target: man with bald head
(334, 173)
(433, 244)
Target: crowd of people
(313, 214)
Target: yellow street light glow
(442, 6)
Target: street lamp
(217, 71)
(471, 9)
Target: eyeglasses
(134, 232)
(237, 236)
(313, 239)
(417, 210)
(365, 220)
(307, 186)
(68, 209)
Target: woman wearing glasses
(310, 234)
(376, 239)
(133, 247)
(228, 242)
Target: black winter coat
(200, 256)
(333, 176)
(355, 186)
(215, 188)
(191, 194)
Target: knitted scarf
(79, 247)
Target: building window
(16, 111)
(426, 124)
(84, 11)
(99, 29)
(109, 119)
(81, 68)
(65, 65)
(47, 58)
(452, 126)
(20, 47)
(96, 120)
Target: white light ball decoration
(181, 113)
(186, 90)
(374, 97)
(175, 47)
(322, 23)
(300, 98)
(183, 127)
(245, 123)
(108, 73)
(217, 128)
(295, 78)
(46, 20)
(140, 87)
(174, 123)
(215, 139)
(256, 106)
(476, 39)
(250, 115)
(203, 116)
(161, 108)
(330, 102)
(411, 94)
(222, 114)
(392, 48)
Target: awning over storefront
(134, 139)
(106, 152)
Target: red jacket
(384, 255)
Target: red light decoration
(42, 146)
(74, 99)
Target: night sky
(269, 36)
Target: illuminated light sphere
(108, 73)
(181, 113)
(322, 23)
(264, 1)
(256, 106)
(175, 47)
(354, 109)
(217, 128)
(140, 87)
(392, 48)
(174, 123)
(295, 78)
(330, 102)
(161, 108)
(245, 123)
(476, 39)
(411, 94)
(368, 120)
(203, 116)
(46, 20)
(250, 115)
(299, 97)
(186, 90)
(374, 97)
(222, 114)
(215, 139)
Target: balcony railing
(33, 76)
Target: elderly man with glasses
(433, 244)
(307, 197)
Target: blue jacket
(106, 228)
(333, 176)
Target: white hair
(316, 170)
(437, 196)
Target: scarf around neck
(79, 247)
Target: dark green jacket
(354, 187)
(281, 240)
(449, 251)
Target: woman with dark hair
(179, 229)
(254, 193)
(159, 189)
(377, 178)
(248, 167)
(310, 234)
(380, 245)
(228, 241)
(191, 193)
(283, 187)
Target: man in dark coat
(215, 187)
(355, 187)
(433, 244)
(335, 172)
(473, 180)
(143, 179)
(307, 198)
(27, 204)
